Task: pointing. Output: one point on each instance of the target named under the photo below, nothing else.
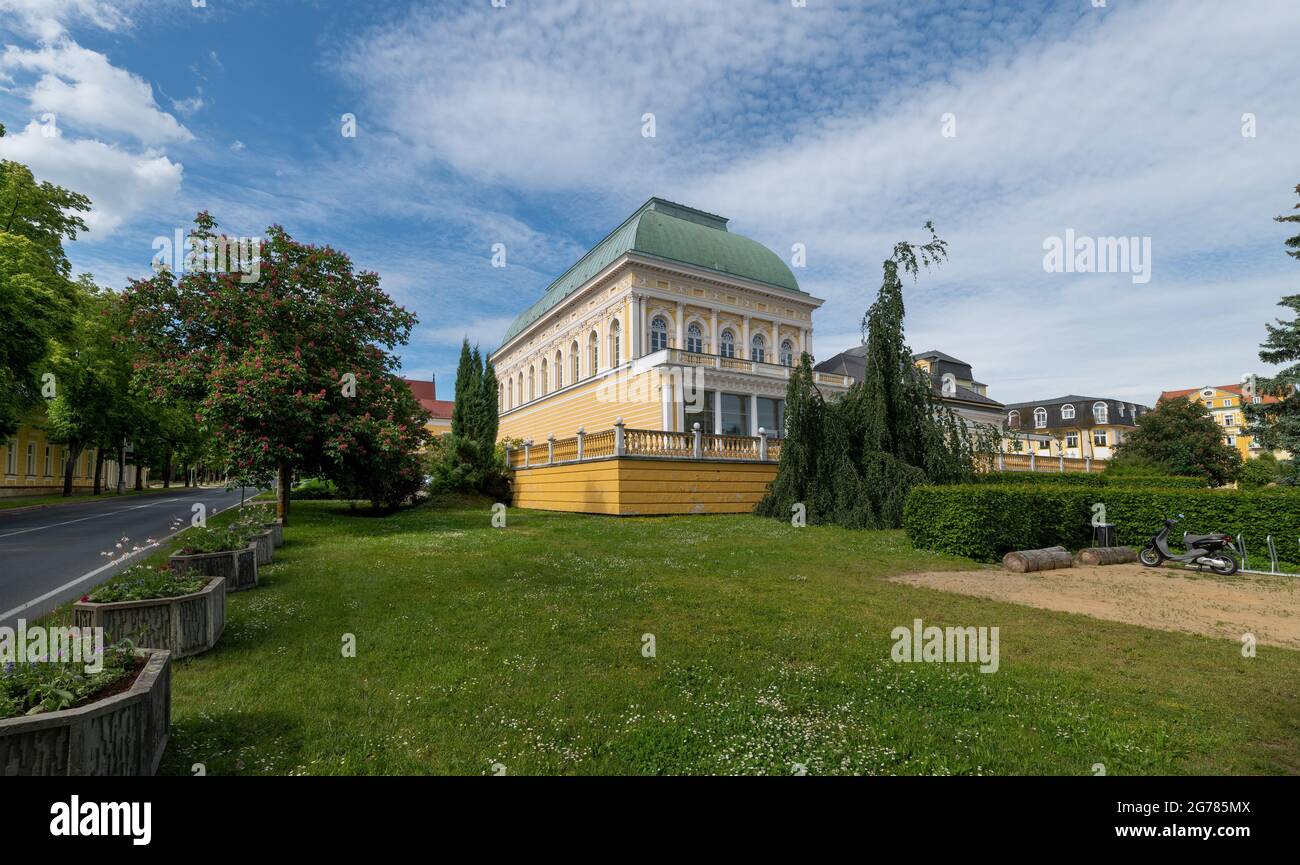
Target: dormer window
(1040, 418)
(1013, 419)
(1100, 412)
(1067, 411)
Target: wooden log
(1107, 555)
(1022, 561)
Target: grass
(480, 648)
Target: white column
(753, 414)
(744, 341)
(807, 341)
(666, 397)
(713, 334)
(640, 326)
(717, 411)
(681, 325)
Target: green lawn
(522, 647)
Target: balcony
(644, 443)
(681, 357)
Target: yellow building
(33, 465)
(1224, 403)
(670, 322)
(1073, 426)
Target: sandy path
(1268, 607)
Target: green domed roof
(673, 233)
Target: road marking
(4, 617)
(83, 519)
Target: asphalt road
(49, 556)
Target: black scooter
(1215, 551)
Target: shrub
(143, 582)
(984, 521)
(1093, 479)
(314, 488)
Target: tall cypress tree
(1277, 425)
(465, 385)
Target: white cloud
(190, 106)
(45, 19)
(120, 184)
(238, 146)
(82, 87)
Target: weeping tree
(853, 461)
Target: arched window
(1099, 412)
(532, 383)
(694, 338)
(728, 344)
(614, 353)
(1067, 412)
(542, 380)
(574, 358)
(758, 348)
(559, 369)
(787, 353)
(658, 333)
(1040, 417)
(593, 353)
(948, 384)
(521, 390)
(1013, 419)
(510, 393)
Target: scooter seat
(1194, 539)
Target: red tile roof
(427, 394)
(1231, 388)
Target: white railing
(644, 443)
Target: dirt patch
(1164, 598)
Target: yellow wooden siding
(20, 481)
(629, 486)
(584, 405)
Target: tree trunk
(167, 470)
(286, 480)
(74, 453)
(139, 476)
(121, 466)
(1046, 559)
(187, 474)
(1107, 555)
(99, 470)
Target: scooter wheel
(1223, 564)
(1150, 557)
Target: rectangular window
(771, 416)
(735, 414)
(1227, 402)
(11, 457)
(1232, 441)
(1099, 438)
(1229, 419)
(47, 461)
(1071, 440)
(31, 459)
(703, 417)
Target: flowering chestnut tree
(291, 372)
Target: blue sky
(820, 125)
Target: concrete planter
(223, 564)
(237, 567)
(246, 571)
(277, 532)
(185, 625)
(265, 543)
(124, 734)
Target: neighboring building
(439, 409)
(33, 465)
(952, 379)
(669, 321)
(1224, 403)
(1073, 426)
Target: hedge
(983, 521)
(1092, 479)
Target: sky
(841, 125)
